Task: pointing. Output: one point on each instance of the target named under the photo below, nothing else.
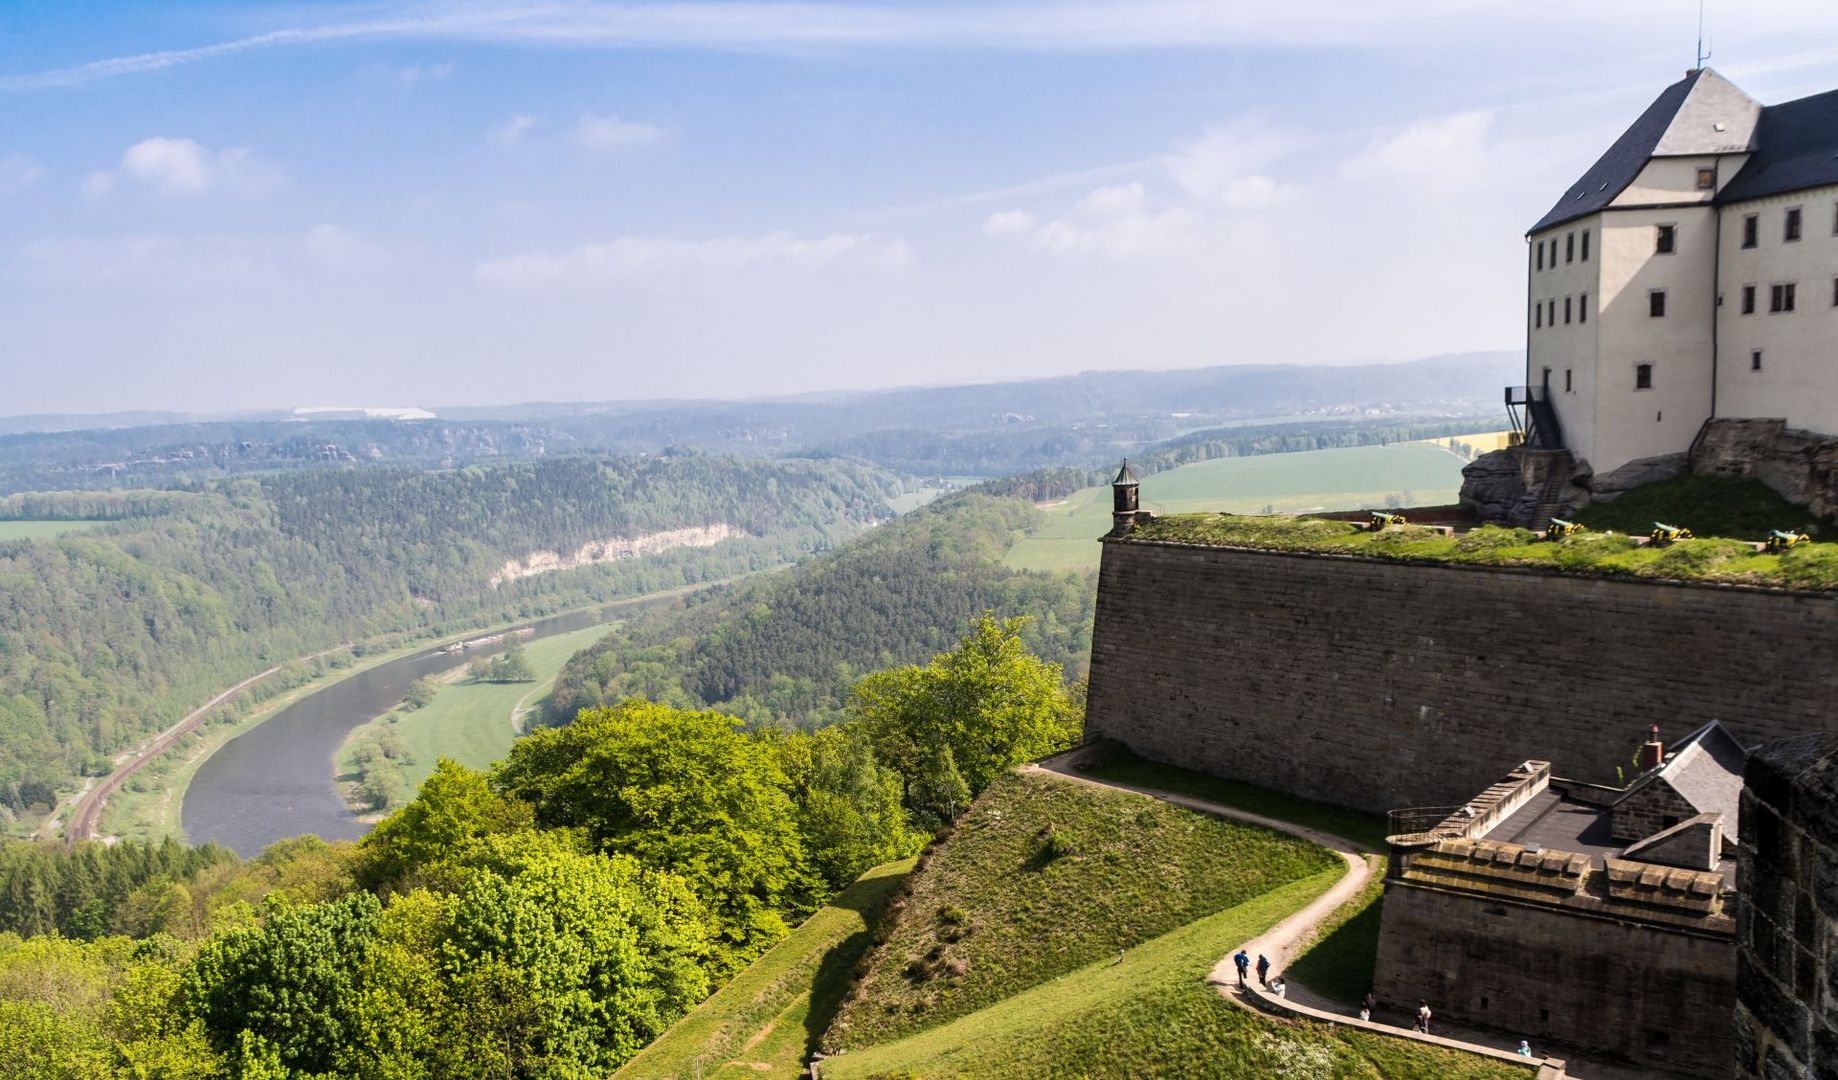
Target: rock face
(1492, 487)
(1787, 929)
(1801, 465)
(1522, 487)
(1638, 473)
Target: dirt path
(86, 811)
(1282, 942)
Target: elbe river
(276, 780)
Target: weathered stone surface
(1604, 487)
(1383, 685)
(1801, 465)
(1491, 486)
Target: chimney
(1653, 751)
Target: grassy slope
(991, 915)
(1707, 505)
(1810, 566)
(1154, 1015)
(772, 1013)
(470, 722)
(1418, 473)
(42, 530)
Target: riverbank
(471, 722)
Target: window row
(1544, 313)
(1793, 222)
(1781, 298)
(1571, 249)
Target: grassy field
(1409, 474)
(766, 1022)
(470, 722)
(995, 910)
(1808, 566)
(43, 530)
(1340, 961)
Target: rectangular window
(1586, 244)
(1566, 311)
(1755, 360)
(1780, 297)
(1643, 376)
(1748, 299)
(1537, 316)
(1751, 229)
(1569, 247)
(1550, 314)
(1835, 292)
(1665, 239)
(1707, 179)
(1541, 255)
(1790, 230)
(1566, 380)
(1656, 303)
(1582, 303)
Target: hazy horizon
(211, 207)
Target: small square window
(1707, 179)
(1755, 360)
(1585, 255)
(1643, 376)
(1582, 305)
(1665, 239)
(1790, 229)
(1748, 299)
(1751, 230)
(1656, 303)
(1781, 297)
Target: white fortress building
(1690, 275)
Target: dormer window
(1665, 240)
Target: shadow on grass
(867, 897)
(1340, 964)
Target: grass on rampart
(1043, 876)
(1155, 1015)
(1707, 505)
(1812, 567)
(766, 1022)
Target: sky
(216, 206)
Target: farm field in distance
(43, 530)
(470, 722)
(1407, 474)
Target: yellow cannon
(1779, 541)
(1559, 528)
(1665, 534)
(1381, 520)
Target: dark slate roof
(1707, 770)
(1703, 113)
(1798, 148)
(1124, 476)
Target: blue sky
(213, 206)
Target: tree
(454, 809)
(849, 805)
(420, 693)
(973, 712)
(679, 791)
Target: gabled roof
(1703, 113)
(1706, 769)
(1797, 148)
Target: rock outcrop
(1801, 465)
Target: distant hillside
(978, 430)
(114, 632)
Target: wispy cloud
(725, 255)
(611, 131)
(18, 172)
(1050, 25)
(182, 167)
(512, 131)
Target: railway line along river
(276, 780)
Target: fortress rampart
(1383, 684)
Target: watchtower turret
(1123, 501)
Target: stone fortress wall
(1383, 685)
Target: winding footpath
(1284, 941)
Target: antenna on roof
(1702, 54)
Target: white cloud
(182, 167)
(1116, 220)
(336, 247)
(1229, 164)
(415, 73)
(722, 255)
(611, 131)
(1442, 154)
(18, 172)
(1008, 223)
(513, 130)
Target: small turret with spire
(1123, 501)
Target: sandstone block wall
(1385, 685)
(1658, 998)
(1787, 925)
(1649, 810)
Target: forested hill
(788, 647)
(109, 634)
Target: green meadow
(43, 530)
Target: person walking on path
(1263, 971)
(1423, 1017)
(1243, 961)
(1366, 1006)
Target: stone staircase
(1550, 480)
